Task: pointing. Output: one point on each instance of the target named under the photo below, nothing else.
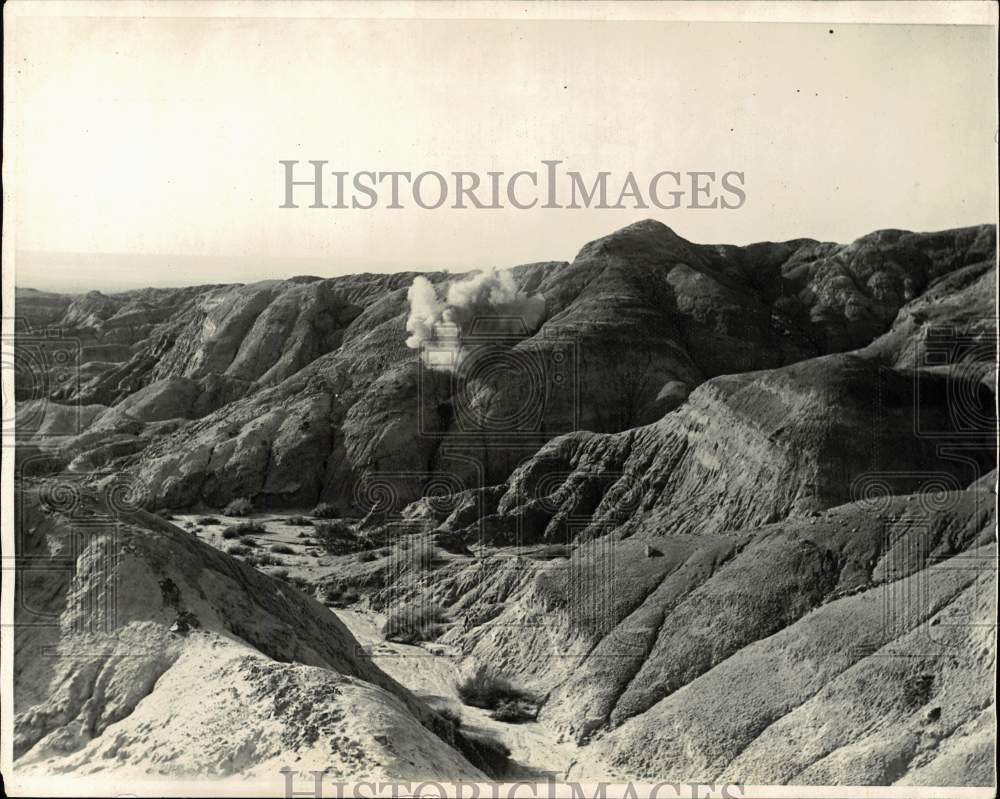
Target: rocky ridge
(752, 544)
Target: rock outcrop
(291, 392)
(725, 513)
(143, 650)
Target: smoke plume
(487, 304)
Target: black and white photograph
(499, 399)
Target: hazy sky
(162, 136)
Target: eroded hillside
(292, 392)
(721, 513)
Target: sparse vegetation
(324, 511)
(243, 528)
(336, 537)
(514, 711)
(484, 751)
(918, 689)
(239, 507)
(487, 689)
(367, 556)
(414, 623)
(281, 574)
(263, 559)
(207, 520)
(238, 549)
(299, 521)
(481, 748)
(450, 716)
(282, 549)
(247, 541)
(336, 596)
(165, 515)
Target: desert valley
(668, 511)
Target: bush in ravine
(263, 559)
(514, 711)
(238, 507)
(488, 689)
(282, 549)
(336, 536)
(339, 597)
(243, 528)
(484, 751)
(414, 623)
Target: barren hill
(711, 512)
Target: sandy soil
(431, 671)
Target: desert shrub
(917, 689)
(299, 521)
(165, 515)
(336, 537)
(282, 549)
(324, 511)
(450, 716)
(484, 751)
(207, 520)
(514, 711)
(238, 549)
(367, 556)
(239, 507)
(263, 559)
(281, 574)
(247, 541)
(302, 584)
(243, 528)
(414, 623)
(485, 688)
(336, 596)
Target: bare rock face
(726, 512)
(292, 392)
(745, 450)
(843, 695)
(142, 648)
